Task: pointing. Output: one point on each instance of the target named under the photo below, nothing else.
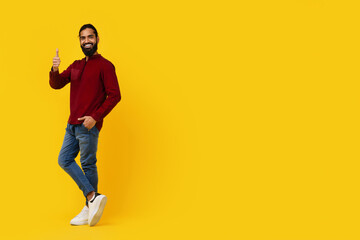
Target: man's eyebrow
(91, 35)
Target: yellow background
(238, 119)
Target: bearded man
(94, 92)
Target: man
(94, 92)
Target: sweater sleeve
(112, 90)
(57, 80)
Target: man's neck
(87, 57)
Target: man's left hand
(89, 122)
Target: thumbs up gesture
(56, 61)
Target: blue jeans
(79, 138)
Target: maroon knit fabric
(94, 88)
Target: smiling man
(94, 92)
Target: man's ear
(97, 39)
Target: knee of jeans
(88, 158)
(88, 165)
(62, 161)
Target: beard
(91, 51)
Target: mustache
(87, 44)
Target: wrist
(94, 118)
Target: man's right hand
(56, 61)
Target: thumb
(82, 118)
(57, 52)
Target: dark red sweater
(94, 89)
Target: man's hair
(88, 26)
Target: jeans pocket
(83, 126)
(94, 130)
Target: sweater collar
(93, 57)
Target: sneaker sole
(98, 212)
(79, 223)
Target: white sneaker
(81, 218)
(96, 208)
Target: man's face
(88, 41)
